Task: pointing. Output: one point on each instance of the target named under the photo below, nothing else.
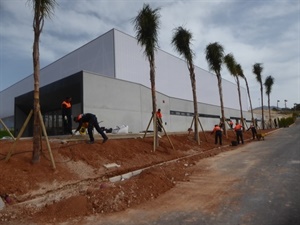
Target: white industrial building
(110, 77)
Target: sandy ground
(82, 186)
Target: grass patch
(4, 133)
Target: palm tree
(214, 56)
(241, 74)
(42, 9)
(234, 70)
(238, 72)
(257, 70)
(268, 85)
(181, 41)
(146, 25)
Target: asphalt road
(256, 184)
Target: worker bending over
(92, 121)
(218, 134)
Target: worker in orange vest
(239, 133)
(159, 120)
(218, 134)
(66, 112)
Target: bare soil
(81, 185)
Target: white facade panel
(131, 63)
(172, 75)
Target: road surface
(256, 184)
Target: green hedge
(286, 122)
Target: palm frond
(268, 84)
(214, 55)
(182, 41)
(239, 70)
(230, 64)
(45, 7)
(257, 70)
(146, 25)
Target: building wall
(172, 75)
(113, 103)
(117, 55)
(96, 56)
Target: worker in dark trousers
(92, 121)
(218, 134)
(239, 133)
(66, 112)
(253, 130)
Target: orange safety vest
(217, 128)
(238, 127)
(158, 115)
(66, 105)
(79, 117)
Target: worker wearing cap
(218, 134)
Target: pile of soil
(82, 185)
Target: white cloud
(254, 31)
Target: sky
(254, 31)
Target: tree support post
(21, 133)
(200, 126)
(156, 138)
(19, 136)
(47, 140)
(6, 128)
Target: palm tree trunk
(252, 117)
(153, 92)
(262, 106)
(193, 83)
(270, 121)
(36, 102)
(240, 101)
(221, 102)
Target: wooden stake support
(155, 135)
(19, 136)
(21, 133)
(200, 126)
(47, 139)
(6, 128)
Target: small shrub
(4, 133)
